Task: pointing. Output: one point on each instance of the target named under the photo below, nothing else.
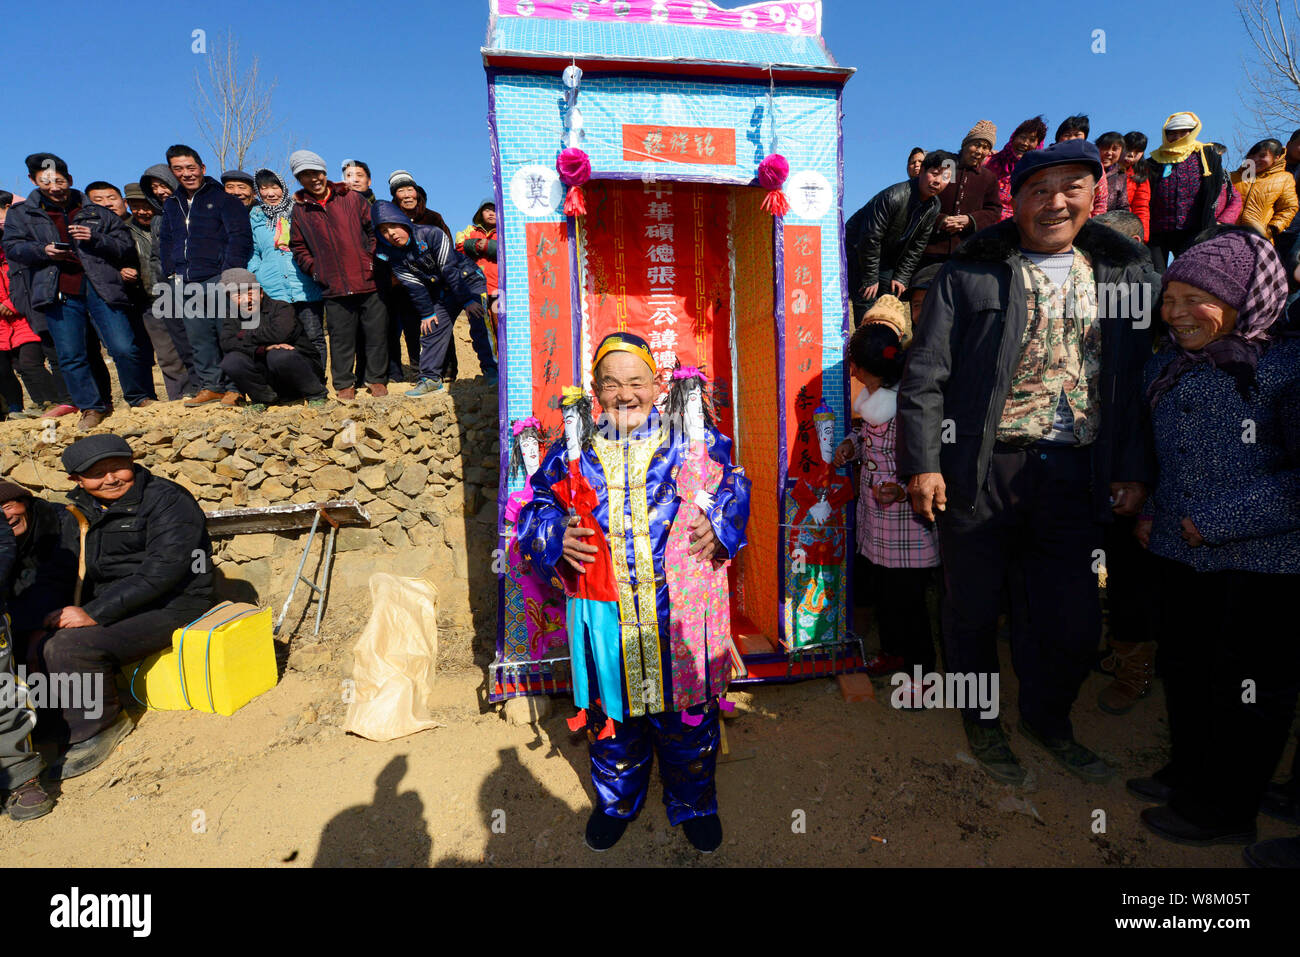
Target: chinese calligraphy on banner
(550, 316)
(657, 265)
(679, 144)
(803, 328)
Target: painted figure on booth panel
(543, 602)
(618, 490)
(818, 532)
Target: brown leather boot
(1134, 669)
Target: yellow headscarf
(1185, 146)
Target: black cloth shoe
(1071, 755)
(1152, 790)
(1165, 822)
(1279, 852)
(1282, 802)
(604, 831)
(990, 748)
(29, 801)
(91, 753)
(704, 833)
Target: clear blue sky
(401, 84)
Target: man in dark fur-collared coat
(1020, 429)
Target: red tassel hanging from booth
(575, 203)
(776, 203)
(772, 173)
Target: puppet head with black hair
(579, 427)
(689, 402)
(526, 445)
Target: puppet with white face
(543, 603)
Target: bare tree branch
(233, 106)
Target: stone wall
(425, 470)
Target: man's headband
(625, 342)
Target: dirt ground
(280, 785)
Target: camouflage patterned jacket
(960, 366)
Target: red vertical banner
(802, 272)
(550, 319)
(657, 264)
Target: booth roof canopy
(644, 32)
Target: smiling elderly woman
(148, 571)
(1225, 412)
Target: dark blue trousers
(688, 757)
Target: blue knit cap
(1058, 154)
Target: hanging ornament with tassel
(574, 167)
(772, 173)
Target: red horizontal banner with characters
(550, 314)
(709, 145)
(657, 264)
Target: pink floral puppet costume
(703, 652)
(543, 602)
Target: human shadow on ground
(388, 832)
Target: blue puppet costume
(634, 480)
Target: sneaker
(1165, 822)
(90, 419)
(59, 410)
(319, 402)
(347, 395)
(603, 831)
(378, 389)
(29, 801)
(90, 754)
(1071, 755)
(989, 746)
(425, 387)
(231, 399)
(704, 833)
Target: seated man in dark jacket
(439, 280)
(267, 353)
(148, 571)
(885, 238)
(45, 571)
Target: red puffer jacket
(334, 243)
(14, 330)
